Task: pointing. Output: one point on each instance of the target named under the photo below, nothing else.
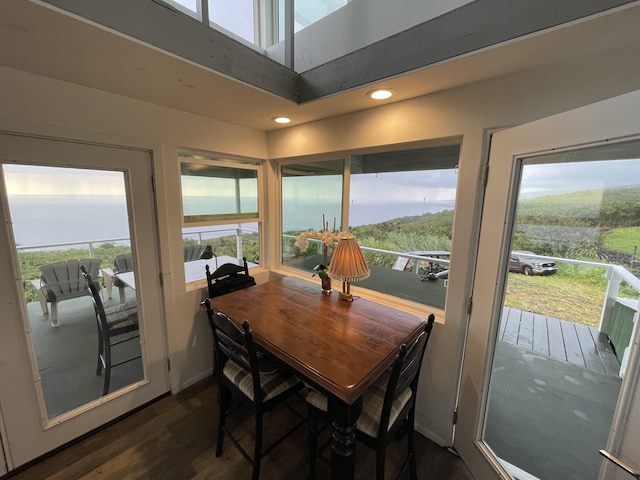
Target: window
(259, 22)
(220, 206)
(311, 195)
(400, 208)
(307, 12)
(236, 16)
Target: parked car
(527, 263)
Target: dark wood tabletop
(340, 347)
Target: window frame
(215, 220)
(277, 248)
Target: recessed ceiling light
(380, 94)
(282, 119)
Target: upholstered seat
(372, 401)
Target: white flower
(327, 237)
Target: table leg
(343, 439)
(108, 283)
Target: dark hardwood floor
(174, 438)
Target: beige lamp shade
(348, 264)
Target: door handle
(621, 464)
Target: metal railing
(91, 244)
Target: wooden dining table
(336, 346)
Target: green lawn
(559, 296)
(622, 239)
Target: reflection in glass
(63, 218)
(567, 315)
(220, 211)
(400, 210)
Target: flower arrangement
(327, 237)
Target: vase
(326, 286)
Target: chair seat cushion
(272, 383)
(122, 315)
(372, 400)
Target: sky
(433, 186)
(554, 179)
(33, 180)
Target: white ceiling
(40, 40)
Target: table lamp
(348, 265)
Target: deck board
(540, 334)
(525, 332)
(556, 340)
(589, 351)
(575, 343)
(512, 325)
(572, 345)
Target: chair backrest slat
(193, 252)
(123, 263)
(64, 279)
(228, 278)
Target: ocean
(53, 219)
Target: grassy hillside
(609, 208)
(624, 240)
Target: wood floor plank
(175, 438)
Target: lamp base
(346, 297)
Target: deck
(567, 341)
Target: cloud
(558, 178)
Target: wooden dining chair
(388, 406)
(116, 325)
(245, 373)
(228, 278)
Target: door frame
(613, 119)
(38, 433)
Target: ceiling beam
(160, 26)
(474, 26)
